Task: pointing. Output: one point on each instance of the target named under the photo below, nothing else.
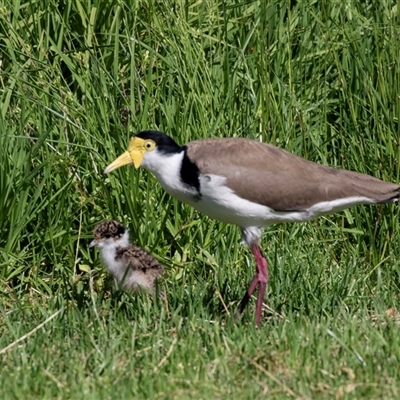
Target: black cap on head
(163, 142)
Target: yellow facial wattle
(134, 155)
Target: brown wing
(273, 177)
(139, 259)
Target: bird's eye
(149, 145)
(107, 236)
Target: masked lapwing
(250, 184)
(131, 266)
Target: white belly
(221, 203)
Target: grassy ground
(320, 79)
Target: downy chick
(132, 267)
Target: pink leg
(260, 278)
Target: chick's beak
(93, 243)
(134, 155)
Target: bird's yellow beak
(134, 155)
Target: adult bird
(250, 184)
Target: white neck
(108, 250)
(167, 170)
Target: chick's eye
(107, 236)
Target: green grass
(317, 78)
